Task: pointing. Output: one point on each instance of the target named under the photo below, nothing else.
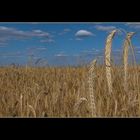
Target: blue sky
(62, 43)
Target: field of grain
(64, 92)
(94, 90)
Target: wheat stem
(32, 110)
(21, 109)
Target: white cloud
(12, 54)
(37, 31)
(83, 33)
(135, 25)
(61, 55)
(7, 33)
(108, 29)
(41, 48)
(105, 28)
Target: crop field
(64, 92)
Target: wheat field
(64, 92)
(95, 90)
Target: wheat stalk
(92, 87)
(135, 67)
(32, 110)
(21, 105)
(125, 58)
(108, 59)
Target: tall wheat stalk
(125, 58)
(92, 87)
(21, 105)
(135, 67)
(108, 59)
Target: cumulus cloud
(7, 33)
(105, 28)
(83, 33)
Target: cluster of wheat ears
(108, 68)
(95, 91)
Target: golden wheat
(125, 58)
(32, 110)
(92, 87)
(108, 59)
(21, 105)
(78, 103)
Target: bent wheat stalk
(125, 58)
(92, 87)
(108, 59)
(32, 110)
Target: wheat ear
(108, 59)
(92, 87)
(78, 103)
(125, 58)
